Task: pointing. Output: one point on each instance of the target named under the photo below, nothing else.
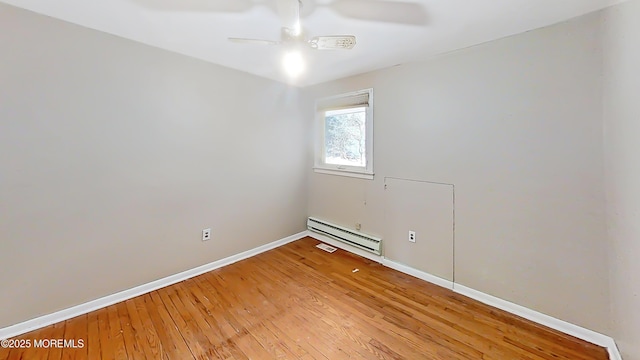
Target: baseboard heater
(351, 237)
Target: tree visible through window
(344, 144)
(345, 137)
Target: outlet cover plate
(206, 234)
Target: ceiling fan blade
(399, 12)
(333, 42)
(227, 6)
(253, 41)
(289, 11)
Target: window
(345, 135)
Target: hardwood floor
(299, 302)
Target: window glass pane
(344, 137)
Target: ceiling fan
(292, 33)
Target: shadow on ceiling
(396, 12)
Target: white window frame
(333, 103)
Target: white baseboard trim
(418, 273)
(543, 319)
(58, 316)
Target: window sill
(355, 174)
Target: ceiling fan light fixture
(297, 29)
(293, 36)
(293, 63)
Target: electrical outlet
(412, 236)
(206, 234)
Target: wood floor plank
(93, 334)
(400, 329)
(167, 295)
(57, 332)
(144, 336)
(322, 307)
(106, 347)
(145, 328)
(216, 317)
(130, 341)
(200, 323)
(116, 336)
(171, 340)
(448, 332)
(239, 314)
(259, 307)
(76, 330)
(299, 302)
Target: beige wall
(622, 149)
(114, 156)
(516, 126)
(427, 209)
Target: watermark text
(42, 343)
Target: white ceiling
(389, 32)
